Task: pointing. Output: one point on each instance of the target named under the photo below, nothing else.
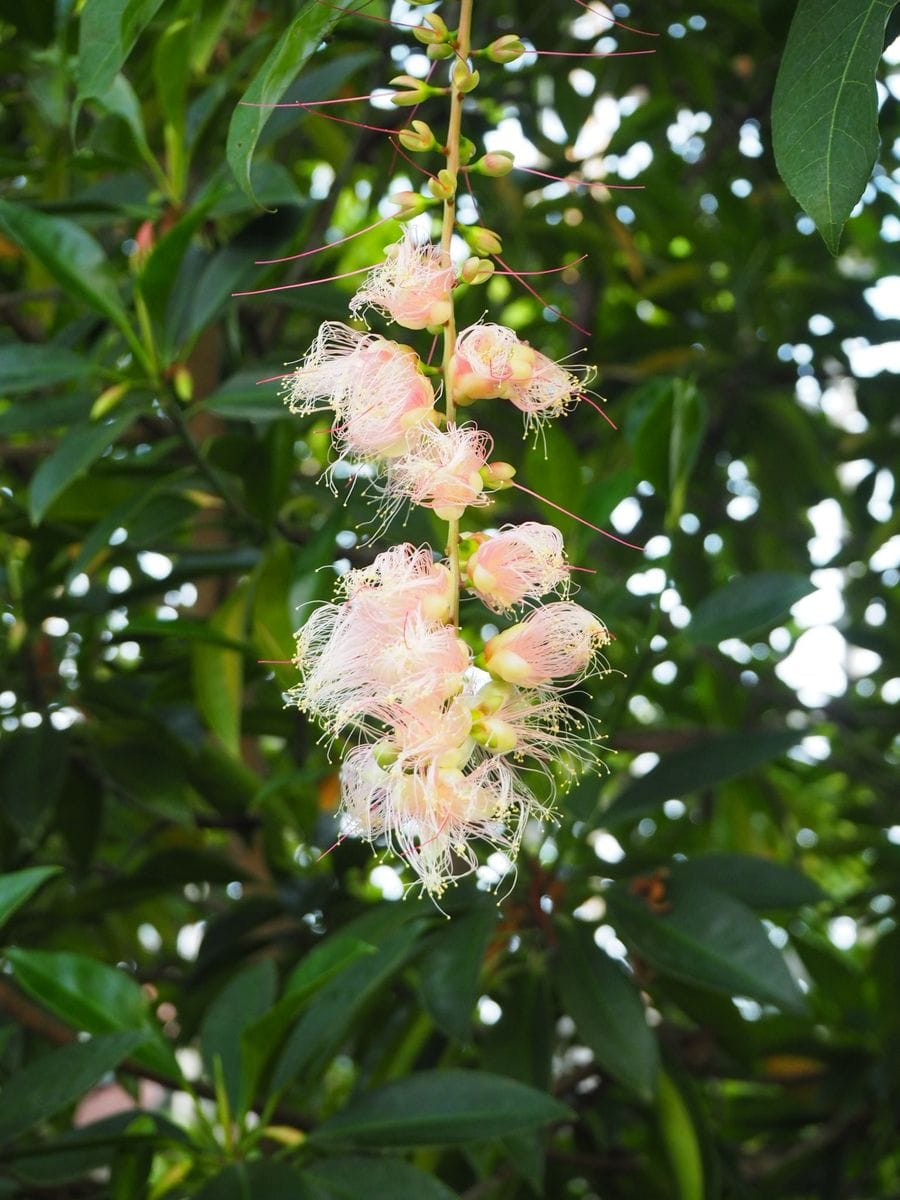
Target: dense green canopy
(687, 987)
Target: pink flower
(406, 578)
(374, 386)
(431, 816)
(520, 562)
(488, 361)
(556, 641)
(413, 286)
(441, 470)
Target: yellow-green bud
(496, 735)
(497, 476)
(384, 754)
(494, 695)
(476, 270)
(440, 50)
(464, 79)
(412, 90)
(410, 204)
(483, 241)
(505, 49)
(418, 138)
(433, 31)
(443, 185)
(495, 163)
(467, 150)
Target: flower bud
(495, 734)
(412, 90)
(467, 150)
(385, 754)
(495, 164)
(433, 31)
(440, 50)
(468, 544)
(418, 138)
(493, 696)
(476, 270)
(410, 204)
(505, 49)
(464, 79)
(497, 476)
(443, 186)
(483, 241)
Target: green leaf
(440, 1108)
(26, 368)
(256, 1181)
(245, 998)
(706, 938)
(607, 1010)
(33, 766)
(825, 108)
(89, 995)
(704, 764)
(56, 1080)
(219, 672)
(73, 258)
(353, 1177)
(78, 450)
(287, 58)
(451, 969)
(666, 423)
(680, 1139)
(108, 30)
(745, 604)
(757, 882)
(18, 886)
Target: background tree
(689, 987)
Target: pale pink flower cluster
(448, 739)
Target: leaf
(107, 32)
(745, 604)
(91, 996)
(18, 886)
(73, 258)
(26, 368)
(825, 109)
(757, 882)
(701, 765)
(33, 766)
(440, 1108)
(56, 1080)
(245, 998)
(665, 423)
(218, 672)
(256, 1181)
(680, 1140)
(451, 968)
(352, 1177)
(707, 938)
(78, 450)
(607, 1010)
(286, 59)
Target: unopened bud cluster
(446, 731)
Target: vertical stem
(463, 45)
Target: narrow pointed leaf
(18, 886)
(745, 604)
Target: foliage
(689, 987)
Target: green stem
(463, 46)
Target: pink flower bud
(495, 164)
(556, 641)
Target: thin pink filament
(284, 287)
(307, 103)
(575, 517)
(600, 410)
(592, 53)
(621, 187)
(266, 262)
(548, 271)
(630, 28)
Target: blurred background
(688, 986)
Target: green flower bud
(495, 164)
(464, 79)
(476, 270)
(433, 31)
(505, 49)
(418, 138)
(483, 241)
(412, 91)
(410, 204)
(441, 50)
(467, 150)
(497, 476)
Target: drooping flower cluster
(452, 744)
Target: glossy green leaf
(703, 764)
(244, 999)
(78, 450)
(607, 1010)
(218, 672)
(705, 937)
(107, 32)
(440, 1108)
(745, 604)
(264, 1180)
(757, 882)
(825, 107)
(89, 995)
(451, 968)
(19, 886)
(26, 368)
(666, 422)
(57, 1079)
(680, 1140)
(72, 257)
(287, 58)
(353, 1176)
